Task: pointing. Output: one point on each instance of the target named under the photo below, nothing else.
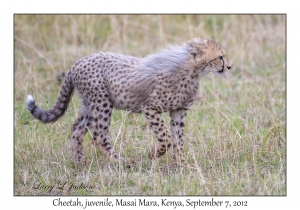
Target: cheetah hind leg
(101, 141)
(100, 123)
(78, 132)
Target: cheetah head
(208, 56)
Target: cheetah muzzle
(166, 81)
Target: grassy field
(235, 132)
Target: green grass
(235, 132)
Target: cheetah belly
(172, 101)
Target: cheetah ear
(196, 48)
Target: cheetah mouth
(221, 71)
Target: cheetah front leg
(163, 136)
(177, 128)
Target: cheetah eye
(221, 57)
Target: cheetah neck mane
(167, 60)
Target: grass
(235, 132)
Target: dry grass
(236, 131)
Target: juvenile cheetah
(166, 81)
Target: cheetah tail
(61, 104)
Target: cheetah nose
(228, 67)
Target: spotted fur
(166, 81)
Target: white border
(216, 6)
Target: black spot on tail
(61, 104)
(31, 106)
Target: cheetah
(166, 81)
